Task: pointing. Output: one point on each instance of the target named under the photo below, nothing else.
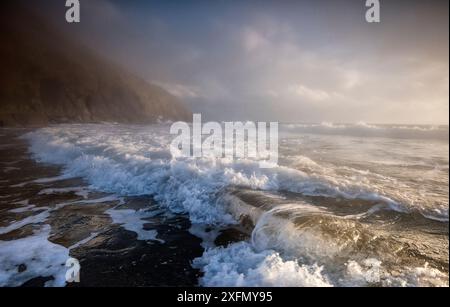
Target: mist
(290, 61)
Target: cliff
(47, 78)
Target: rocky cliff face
(46, 78)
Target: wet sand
(109, 254)
(133, 241)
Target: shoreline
(133, 241)
(112, 255)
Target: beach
(347, 206)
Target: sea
(348, 205)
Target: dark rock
(21, 268)
(37, 282)
(231, 235)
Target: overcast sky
(310, 61)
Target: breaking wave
(302, 246)
(316, 234)
(137, 161)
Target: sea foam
(137, 161)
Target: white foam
(125, 164)
(50, 179)
(106, 199)
(33, 219)
(41, 257)
(134, 221)
(129, 161)
(84, 241)
(40, 181)
(28, 208)
(239, 265)
(282, 253)
(207, 234)
(79, 191)
(366, 273)
(24, 202)
(371, 272)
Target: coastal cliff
(47, 78)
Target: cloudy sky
(309, 61)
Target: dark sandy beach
(113, 198)
(112, 256)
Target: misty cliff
(47, 78)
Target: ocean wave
(296, 244)
(300, 245)
(137, 161)
(241, 265)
